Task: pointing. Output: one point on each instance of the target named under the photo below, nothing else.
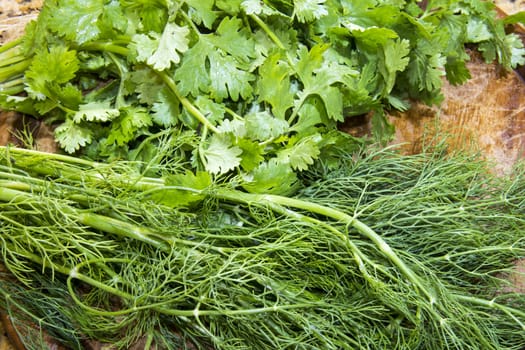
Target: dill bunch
(381, 251)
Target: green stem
(491, 304)
(11, 90)
(194, 111)
(14, 70)
(49, 156)
(11, 44)
(268, 31)
(121, 228)
(15, 81)
(109, 46)
(363, 229)
(96, 221)
(296, 110)
(273, 37)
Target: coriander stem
(11, 90)
(7, 73)
(268, 31)
(272, 36)
(11, 44)
(106, 46)
(186, 103)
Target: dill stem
(492, 305)
(54, 156)
(96, 221)
(362, 228)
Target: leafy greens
(262, 84)
(210, 201)
(381, 252)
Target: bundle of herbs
(209, 200)
(381, 251)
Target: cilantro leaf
(516, 49)
(477, 30)
(252, 153)
(301, 153)
(228, 79)
(147, 85)
(394, 59)
(309, 10)
(220, 155)
(214, 112)
(128, 124)
(144, 45)
(316, 83)
(257, 7)
(192, 76)
(426, 67)
(56, 65)
(76, 20)
(232, 37)
(263, 126)
(72, 136)
(274, 85)
(272, 177)
(457, 71)
(95, 111)
(236, 127)
(203, 12)
(166, 110)
(160, 51)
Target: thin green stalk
(13, 90)
(268, 32)
(64, 166)
(12, 59)
(51, 156)
(272, 37)
(194, 111)
(96, 221)
(11, 44)
(110, 46)
(15, 82)
(366, 231)
(491, 304)
(7, 73)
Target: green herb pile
(262, 85)
(379, 252)
(206, 198)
